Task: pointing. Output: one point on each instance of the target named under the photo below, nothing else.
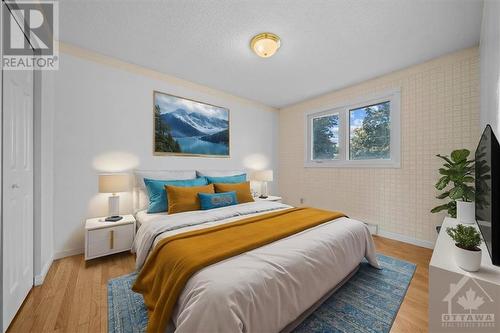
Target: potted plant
(457, 177)
(467, 251)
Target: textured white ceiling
(326, 45)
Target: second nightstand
(103, 238)
(270, 198)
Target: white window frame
(310, 134)
(343, 109)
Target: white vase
(468, 260)
(466, 212)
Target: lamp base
(114, 205)
(263, 190)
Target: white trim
(68, 253)
(405, 239)
(38, 280)
(343, 109)
(1, 171)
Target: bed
(142, 217)
(268, 289)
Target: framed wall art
(186, 127)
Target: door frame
(1, 166)
(2, 161)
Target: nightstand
(270, 198)
(103, 238)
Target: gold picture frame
(201, 131)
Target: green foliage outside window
(325, 137)
(371, 140)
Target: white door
(17, 190)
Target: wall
(439, 113)
(103, 122)
(490, 65)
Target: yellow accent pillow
(242, 190)
(184, 199)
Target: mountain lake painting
(187, 127)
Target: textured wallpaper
(439, 113)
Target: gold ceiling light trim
(265, 44)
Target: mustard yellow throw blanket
(175, 259)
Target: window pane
(325, 137)
(369, 132)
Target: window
(370, 132)
(364, 133)
(325, 137)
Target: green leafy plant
(456, 175)
(465, 237)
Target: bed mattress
(265, 289)
(142, 217)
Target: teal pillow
(217, 200)
(228, 179)
(158, 195)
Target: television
(487, 200)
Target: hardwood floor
(413, 313)
(73, 297)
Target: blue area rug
(368, 302)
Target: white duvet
(265, 289)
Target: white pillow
(162, 175)
(141, 198)
(219, 173)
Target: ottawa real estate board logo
(30, 34)
(469, 306)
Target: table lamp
(263, 176)
(113, 183)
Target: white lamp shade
(113, 183)
(263, 175)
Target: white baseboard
(67, 253)
(38, 280)
(405, 239)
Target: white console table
(461, 301)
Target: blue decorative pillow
(158, 196)
(217, 200)
(228, 179)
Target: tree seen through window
(325, 137)
(370, 132)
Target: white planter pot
(466, 212)
(468, 260)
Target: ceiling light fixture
(265, 44)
